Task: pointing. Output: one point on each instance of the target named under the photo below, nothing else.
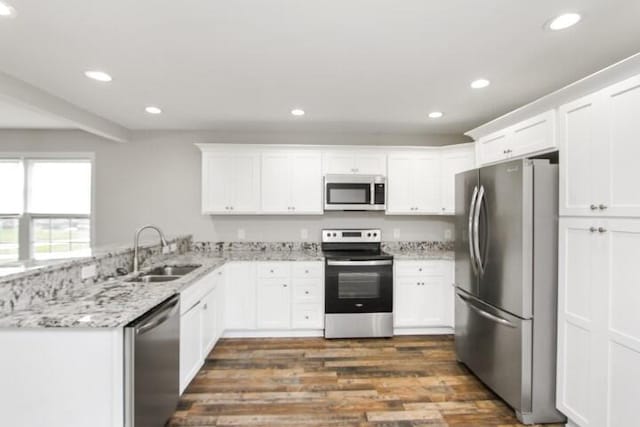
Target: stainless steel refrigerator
(506, 282)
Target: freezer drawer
(496, 346)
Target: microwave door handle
(372, 193)
(470, 230)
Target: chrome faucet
(136, 238)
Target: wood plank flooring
(403, 381)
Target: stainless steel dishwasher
(152, 365)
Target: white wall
(156, 179)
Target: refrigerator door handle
(470, 225)
(476, 226)
(486, 314)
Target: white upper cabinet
(531, 136)
(422, 182)
(364, 162)
(230, 183)
(291, 182)
(455, 159)
(598, 137)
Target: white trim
(423, 331)
(273, 333)
(608, 76)
(214, 147)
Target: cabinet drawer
(274, 269)
(308, 290)
(418, 268)
(307, 269)
(308, 316)
(194, 293)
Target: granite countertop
(115, 302)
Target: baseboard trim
(274, 334)
(423, 331)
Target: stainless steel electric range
(358, 284)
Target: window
(45, 207)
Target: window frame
(25, 218)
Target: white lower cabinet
(274, 297)
(423, 295)
(201, 323)
(598, 379)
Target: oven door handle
(347, 263)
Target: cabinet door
(583, 159)
(534, 135)
(426, 184)
(408, 302)
(622, 142)
(493, 148)
(209, 322)
(400, 198)
(434, 306)
(274, 307)
(191, 357)
(454, 160)
(339, 162)
(622, 322)
(370, 163)
(240, 296)
(217, 172)
(581, 301)
(306, 183)
(220, 305)
(245, 184)
(276, 183)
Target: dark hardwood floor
(404, 381)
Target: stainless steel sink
(153, 279)
(171, 270)
(166, 273)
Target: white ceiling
(17, 117)
(375, 65)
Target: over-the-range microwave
(354, 193)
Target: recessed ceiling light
(6, 10)
(564, 21)
(297, 112)
(100, 76)
(480, 83)
(153, 110)
(435, 114)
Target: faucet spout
(136, 240)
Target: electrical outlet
(88, 271)
(173, 247)
(396, 233)
(304, 234)
(447, 234)
(166, 250)
(241, 234)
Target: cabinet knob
(270, 271)
(306, 272)
(284, 286)
(602, 230)
(593, 207)
(593, 229)
(306, 317)
(602, 207)
(420, 269)
(306, 292)
(205, 306)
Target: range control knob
(368, 234)
(375, 234)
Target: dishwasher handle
(158, 318)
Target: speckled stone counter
(422, 255)
(115, 302)
(416, 251)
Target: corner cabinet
(598, 138)
(598, 379)
(291, 183)
(230, 182)
(532, 136)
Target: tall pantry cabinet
(598, 379)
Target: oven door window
(358, 285)
(358, 289)
(348, 194)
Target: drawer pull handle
(284, 286)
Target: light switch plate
(304, 234)
(88, 271)
(173, 247)
(242, 234)
(396, 233)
